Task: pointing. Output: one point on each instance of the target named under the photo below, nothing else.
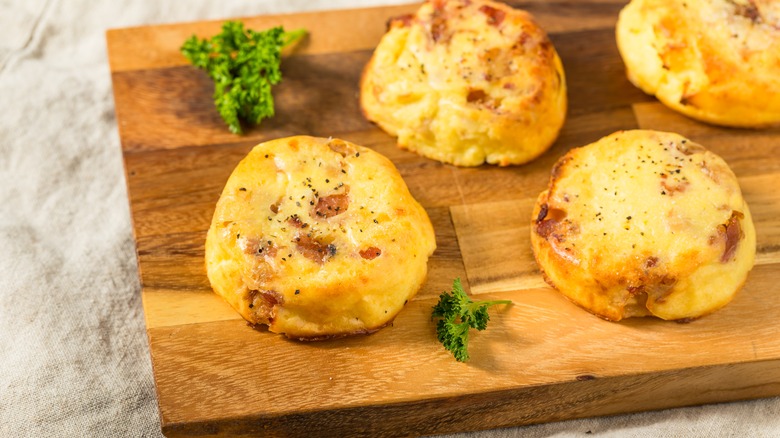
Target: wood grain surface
(542, 358)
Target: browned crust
(366, 331)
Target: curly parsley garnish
(458, 313)
(244, 64)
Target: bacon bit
(509, 86)
(296, 222)
(713, 173)
(270, 297)
(542, 213)
(313, 249)
(438, 28)
(545, 228)
(370, 253)
(636, 290)
(438, 20)
(732, 230)
(687, 100)
(671, 189)
(476, 95)
(275, 206)
(523, 38)
(331, 205)
(265, 301)
(258, 247)
(549, 221)
(494, 16)
(651, 262)
(401, 20)
(340, 147)
(251, 246)
(689, 148)
(749, 11)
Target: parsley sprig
(244, 64)
(458, 313)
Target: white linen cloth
(74, 358)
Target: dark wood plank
(595, 73)
(747, 151)
(172, 107)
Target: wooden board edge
(585, 397)
(121, 40)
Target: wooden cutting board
(541, 359)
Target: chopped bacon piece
(636, 290)
(672, 188)
(749, 11)
(370, 253)
(689, 148)
(438, 28)
(264, 302)
(340, 147)
(438, 21)
(401, 21)
(476, 95)
(542, 213)
(548, 219)
(494, 16)
(650, 262)
(439, 5)
(329, 206)
(732, 230)
(313, 249)
(296, 222)
(259, 247)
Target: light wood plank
(494, 239)
(165, 308)
(540, 341)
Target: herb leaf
(457, 313)
(243, 64)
